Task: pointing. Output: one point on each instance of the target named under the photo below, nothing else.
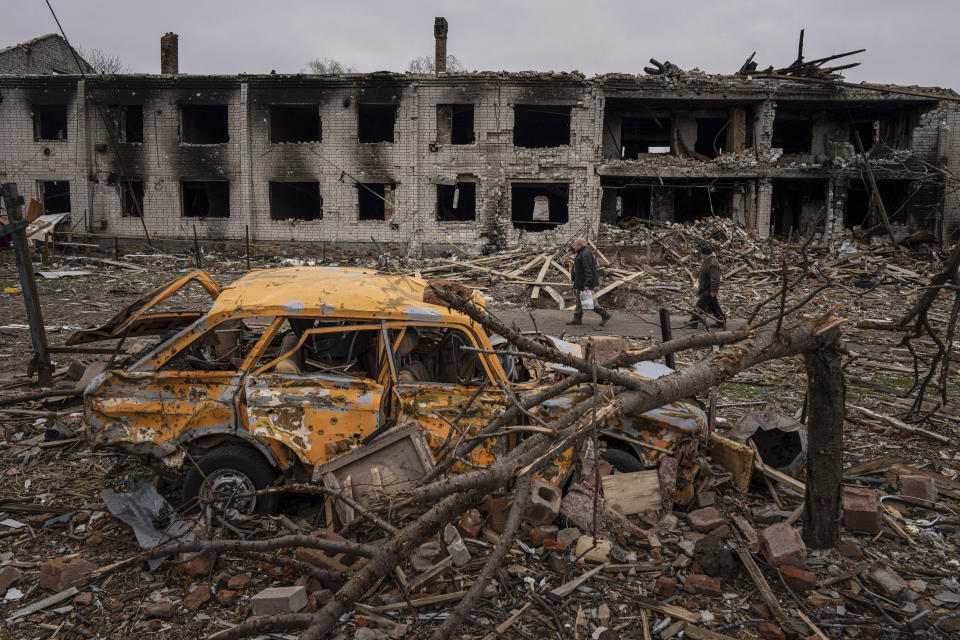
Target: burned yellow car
(290, 368)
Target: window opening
(539, 206)
(131, 198)
(295, 123)
(457, 202)
(295, 201)
(541, 126)
(49, 122)
(375, 122)
(206, 199)
(204, 124)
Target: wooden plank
(42, 604)
(556, 296)
(430, 574)
(517, 272)
(899, 424)
(762, 585)
(734, 457)
(567, 588)
(506, 624)
(669, 610)
(699, 633)
(633, 492)
(417, 602)
(540, 277)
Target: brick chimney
(440, 54)
(169, 58)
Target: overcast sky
(907, 42)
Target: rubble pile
(708, 541)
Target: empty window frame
(295, 123)
(131, 198)
(457, 202)
(645, 135)
(375, 122)
(710, 136)
(793, 133)
(54, 195)
(127, 121)
(538, 206)
(455, 124)
(49, 122)
(370, 200)
(204, 124)
(540, 126)
(205, 198)
(295, 201)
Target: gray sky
(907, 42)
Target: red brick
(553, 545)
(162, 609)
(723, 531)
(82, 517)
(770, 631)
(470, 523)
(850, 550)
(798, 579)
(749, 533)
(8, 576)
(36, 520)
(83, 599)
(227, 597)
(705, 519)
(693, 536)
(197, 598)
(198, 567)
(62, 573)
(238, 581)
(497, 510)
(338, 563)
(703, 584)
(538, 534)
(113, 605)
(543, 504)
(665, 586)
(916, 486)
(860, 511)
(781, 544)
(760, 610)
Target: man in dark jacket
(708, 289)
(585, 278)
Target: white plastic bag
(586, 300)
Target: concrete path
(623, 323)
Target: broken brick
(749, 533)
(62, 573)
(162, 609)
(798, 579)
(278, 600)
(497, 510)
(770, 631)
(227, 597)
(470, 523)
(550, 544)
(543, 506)
(781, 544)
(238, 581)
(198, 567)
(703, 585)
(8, 576)
(197, 598)
(705, 519)
(665, 586)
(886, 580)
(850, 550)
(917, 486)
(338, 563)
(538, 534)
(860, 511)
(82, 599)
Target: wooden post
(38, 334)
(666, 334)
(826, 389)
(246, 234)
(196, 248)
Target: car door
(188, 384)
(446, 386)
(320, 407)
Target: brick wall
(45, 55)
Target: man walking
(708, 288)
(585, 279)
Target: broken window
(375, 122)
(308, 346)
(131, 198)
(539, 126)
(371, 203)
(295, 201)
(792, 132)
(455, 124)
(295, 123)
(223, 348)
(206, 199)
(693, 202)
(457, 201)
(797, 206)
(49, 122)
(866, 129)
(710, 136)
(127, 120)
(863, 210)
(54, 196)
(203, 124)
(634, 202)
(644, 135)
(437, 354)
(537, 206)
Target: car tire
(239, 467)
(622, 461)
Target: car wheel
(229, 474)
(622, 461)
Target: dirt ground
(69, 478)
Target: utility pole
(16, 229)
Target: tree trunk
(826, 390)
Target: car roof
(330, 291)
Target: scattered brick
(162, 609)
(197, 598)
(703, 585)
(538, 534)
(238, 581)
(665, 586)
(279, 600)
(544, 503)
(470, 523)
(798, 579)
(770, 631)
(781, 544)
(62, 573)
(497, 510)
(8, 576)
(227, 597)
(850, 550)
(860, 511)
(82, 599)
(705, 519)
(916, 486)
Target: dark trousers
(597, 309)
(710, 305)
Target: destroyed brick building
(477, 159)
